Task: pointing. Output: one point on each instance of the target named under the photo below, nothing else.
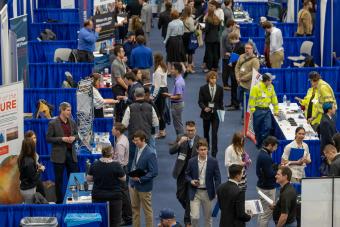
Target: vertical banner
(19, 26)
(103, 18)
(248, 120)
(67, 4)
(11, 136)
(5, 54)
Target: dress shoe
(230, 105)
(125, 223)
(233, 108)
(228, 88)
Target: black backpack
(47, 34)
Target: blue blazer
(147, 162)
(212, 176)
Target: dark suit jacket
(334, 169)
(54, 134)
(327, 131)
(182, 155)
(212, 176)
(204, 99)
(163, 21)
(231, 201)
(148, 163)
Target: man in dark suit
(333, 157)
(204, 176)
(231, 200)
(62, 133)
(327, 125)
(185, 147)
(210, 100)
(141, 187)
(164, 19)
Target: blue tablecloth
(44, 51)
(291, 45)
(255, 30)
(63, 31)
(39, 126)
(61, 15)
(81, 178)
(51, 75)
(10, 215)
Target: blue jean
(262, 125)
(241, 90)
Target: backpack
(47, 34)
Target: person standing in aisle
(146, 18)
(176, 98)
(62, 133)
(327, 126)
(266, 171)
(210, 101)
(305, 22)
(86, 42)
(261, 96)
(164, 19)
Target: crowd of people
(124, 174)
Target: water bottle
(88, 165)
(285, 99)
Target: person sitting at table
(106, 176)
(312, 106)
(297, 166)
(29, 170)
(98, 101)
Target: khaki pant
(263, 219)
(276, 59)
(138, 199)
(201, 197)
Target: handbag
(193, 42)
(199, 36)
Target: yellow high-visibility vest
(316, 114)
(262, 96)
(326, 93)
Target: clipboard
(233, 58)
(296, 154)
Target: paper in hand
(221, 114)
(253, 206)
(120, 19)
(265, 197)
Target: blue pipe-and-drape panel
(55, 96)
(63, 31)
(291, 45)
(312, 169)
(255, 9)
(39, 126)
(61, 15)
(40, 52)
(295, 80)
(255, 30)
(10, 215)
(51, 75)
(48, 4)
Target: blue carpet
(164, 191)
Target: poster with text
(103, 18)
(19, 26)
(11, 136)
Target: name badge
(243, 69)
(211, 105)
(314, 101)
(264, 95)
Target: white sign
(67, 4)
(11, 119)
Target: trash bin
(39, 222)
(83, 219)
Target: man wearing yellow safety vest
(261, 96)
(325, 91)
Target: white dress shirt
(230, 157)
(159, 80)
(98, 101)
(139, 152)
(202, 169)
(175, 28)
(276, 40)
(212, 90)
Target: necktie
(191, 143)
(212, 93)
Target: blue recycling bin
(83, 219)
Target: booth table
(83, 196)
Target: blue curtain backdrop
(295, 80)
(10, 215)
(63, 31)
(44, 51)
(39, 126)
(61, 15)
(255, 30)
(291, 45)
(51, 75)
(255, 9)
